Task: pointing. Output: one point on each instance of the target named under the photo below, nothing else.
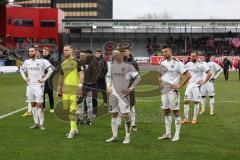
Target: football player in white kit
(35, 68)
(193, 90)
(208, 88)
(169, 81)
(121, 73)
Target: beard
(166, 57)
(31, 56)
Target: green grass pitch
(215, 137)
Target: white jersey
(214, 67)
(172, 71)
(120, 76)
(35, 69)
(197, 70)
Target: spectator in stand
(149, 49)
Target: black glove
(80, 100)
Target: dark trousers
(239, 73)
(102, 87)
(49, 91)
(226, 74)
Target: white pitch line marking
(11, 113)
(138, 100)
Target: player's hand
(200, 82)
(176, 86)
(27, 80)
(212, 80)
(59, 93)
(127, 91)
(79, 99)
(161, 86)
(41, 80)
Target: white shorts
(193, 94)
(171, 100)
(35, 93)
(208, 89)
(119, 104)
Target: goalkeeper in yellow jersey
(70, 86)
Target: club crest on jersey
(37, 64)
(172, 66)
(123, 69)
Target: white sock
(127, 135)
(177, 125)
(203, 102)
(115, 127)
(168, 124)
(186, 111)
(40, 115)
(133, 116)
(211, 101)
(29, 106)
(119, 120)
(35, 115)
(196, 111)
(80, 111)
(89, 107)
(128, 128)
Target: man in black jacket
(90, 76)
(226, 66)
(48, 88)
(129, 59)
(238, 69)
(101, 79)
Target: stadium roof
(7, 1)
(156, 23)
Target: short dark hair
(164, 47)
(78, 51)
(88, 52)
(195, 51)
(38, 49)
(99, 50)
(127, 48)
(33, 48)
